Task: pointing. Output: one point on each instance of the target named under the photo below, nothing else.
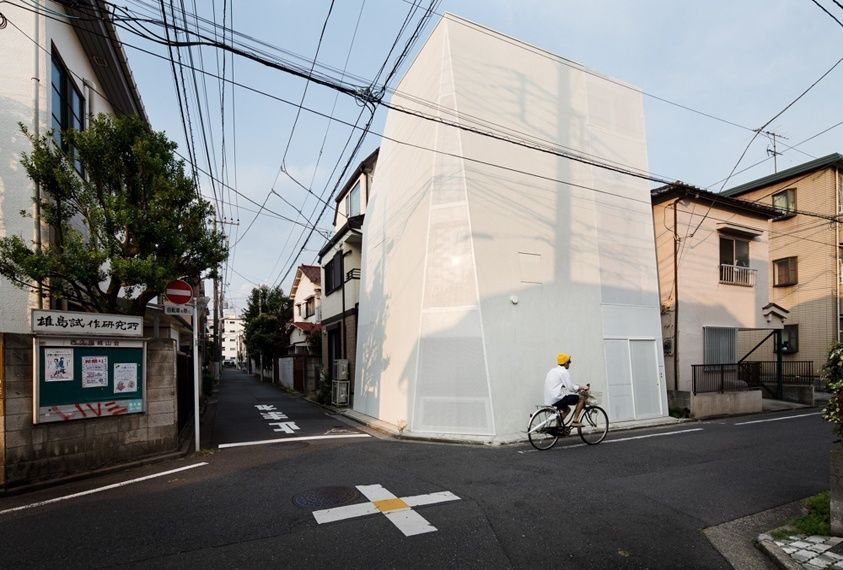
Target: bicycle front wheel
(595, 425)
(542, 429)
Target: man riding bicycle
(561, 392)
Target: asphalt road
(639, 500)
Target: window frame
(64, 115)
(354, 196)
(333, 273)
(790, 198)
(790, 335)
(791, 267)
(734, 241)
(310, 306)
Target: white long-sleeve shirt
(558, 384)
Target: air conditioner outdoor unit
(341, 369)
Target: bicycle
(546, 425)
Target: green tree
(122, 229)
(268, 310)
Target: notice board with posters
(88, 375)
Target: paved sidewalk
(802, 551)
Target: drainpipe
(675, 300)
(36, 119)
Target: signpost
(178, 293)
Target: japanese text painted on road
(275, 419)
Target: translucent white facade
(483, 259)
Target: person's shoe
(576, 423)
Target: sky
(711, 72)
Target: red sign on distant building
(178, 292)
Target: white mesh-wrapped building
(482, 259)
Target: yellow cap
(562, 358)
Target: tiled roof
(307, 327)
(313, 272)
(833, 159)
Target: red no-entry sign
(178, 292)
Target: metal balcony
(736, 275)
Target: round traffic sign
(178, 292)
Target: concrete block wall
(51, 451)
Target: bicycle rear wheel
(595, 425)
(542, 430)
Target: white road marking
(622, 439)
(397, 510)
(410, 522)
(777, 419)
(101, 489)
(652, 435)
(347, 512)
(286, 439)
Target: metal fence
(742, 376)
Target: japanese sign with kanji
(86, 324)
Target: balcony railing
(742, 376)
(352, 274)
(736, 275)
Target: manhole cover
(326, 497)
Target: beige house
(305, 293)
(713, 258)
(805, 257)
(340, 261)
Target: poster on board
(58, 365)
(125, 377)
(94, 371)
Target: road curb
(767, 545)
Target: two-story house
(805, 252)
(306, 294)
(340, 261)
(713, 256)
(54, 76)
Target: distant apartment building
(231, 338)
(340, 261)
(805, 252)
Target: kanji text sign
(86, 324)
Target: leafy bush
(832, 373)
(323, 390)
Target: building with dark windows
(806, 266)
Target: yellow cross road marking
(387, 505)
(399, 511)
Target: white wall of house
(474, 276)
(305, 290)
(17, 105)
(344, 205)
(703, 300)
(332, 303)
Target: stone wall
(725, 404)
(51, 451)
